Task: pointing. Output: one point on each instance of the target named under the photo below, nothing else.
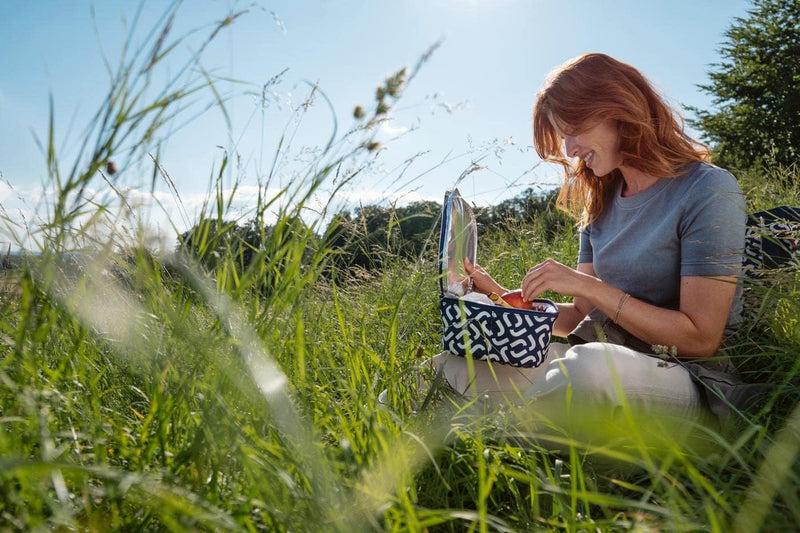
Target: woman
(662, 233)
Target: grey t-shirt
(691, 225)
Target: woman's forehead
(560, 125)
(575, 127)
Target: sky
(469, 102)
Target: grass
(148, 392)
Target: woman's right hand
(482, 281)
(550, 275)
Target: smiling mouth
(587, 159)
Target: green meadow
(231, 384)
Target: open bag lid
(458, 240)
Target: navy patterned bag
(771, 258)
(772, 240)
(486, 331)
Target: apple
(514, 299)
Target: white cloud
(386, 128)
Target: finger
(529, 289)
(472, 268)
(537, 281)
(532, 277)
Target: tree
(374, 233)
(756, 89)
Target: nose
(570, 146)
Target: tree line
(368, 236)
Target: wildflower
(664, 352)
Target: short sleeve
(585, 254)
(713, 226)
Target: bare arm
(695, 329)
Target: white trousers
(603, 381)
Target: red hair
(594, 88)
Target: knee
(588, 371)
(587, 364)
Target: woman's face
(597, 146)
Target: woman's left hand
(483, 282)
(551, 275)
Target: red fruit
(514, 298)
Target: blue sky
(471, 99)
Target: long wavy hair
(593, 88)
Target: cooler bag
(484, 331)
